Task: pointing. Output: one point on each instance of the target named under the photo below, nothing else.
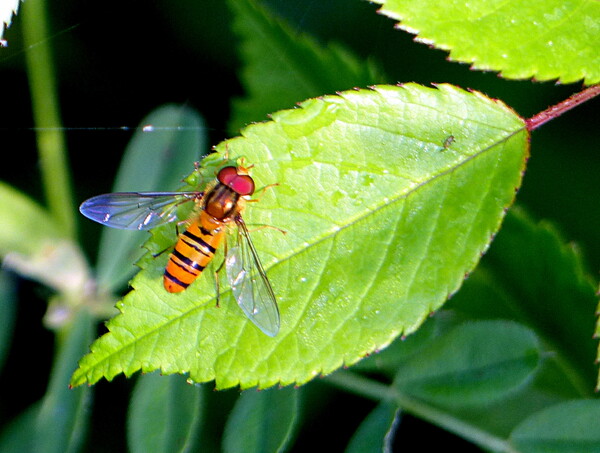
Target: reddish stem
(557, 110)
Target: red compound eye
(241, 184)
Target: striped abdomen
(193, 252)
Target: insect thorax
(222, 203)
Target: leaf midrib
(327, 236)
(367, 213)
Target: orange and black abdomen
(193, 252)
(196, 247)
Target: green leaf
(8, 305)
(282, 67)
(262, 422)
(474, 364)
(62, 420)
(159, 155)
(164, 416)
(382, 225)
(554, 39)
(567, 427)
(57, 423)
(17, 436)
(35, 247)
(376, 433)
(596, 336)
(534, 276)
(402, 349)
(20, 220)
(7, 9)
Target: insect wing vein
(250, 285)
(135, 210)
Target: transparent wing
(135, 210)
(250, 285)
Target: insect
(219, 207)
(448, 142)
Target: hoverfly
(218, 207)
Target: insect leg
(217, 285)
(262, 192)
(256, 227)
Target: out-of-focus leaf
(376, 432)
(162, 151)
(282, 67)
(533, 275)
(570, 427)
(7, 313)
(32, 244)
(25, 227)
(164, 416)
(58, 264)
(262, 422)
(62, 421)
(474, 364)
(17, 437)
(57, 423)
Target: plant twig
(368, 388)
(44, 100)
(557, 110)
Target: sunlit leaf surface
(384, 218)
(554, 39)
(7, 9)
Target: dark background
(118, 60)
